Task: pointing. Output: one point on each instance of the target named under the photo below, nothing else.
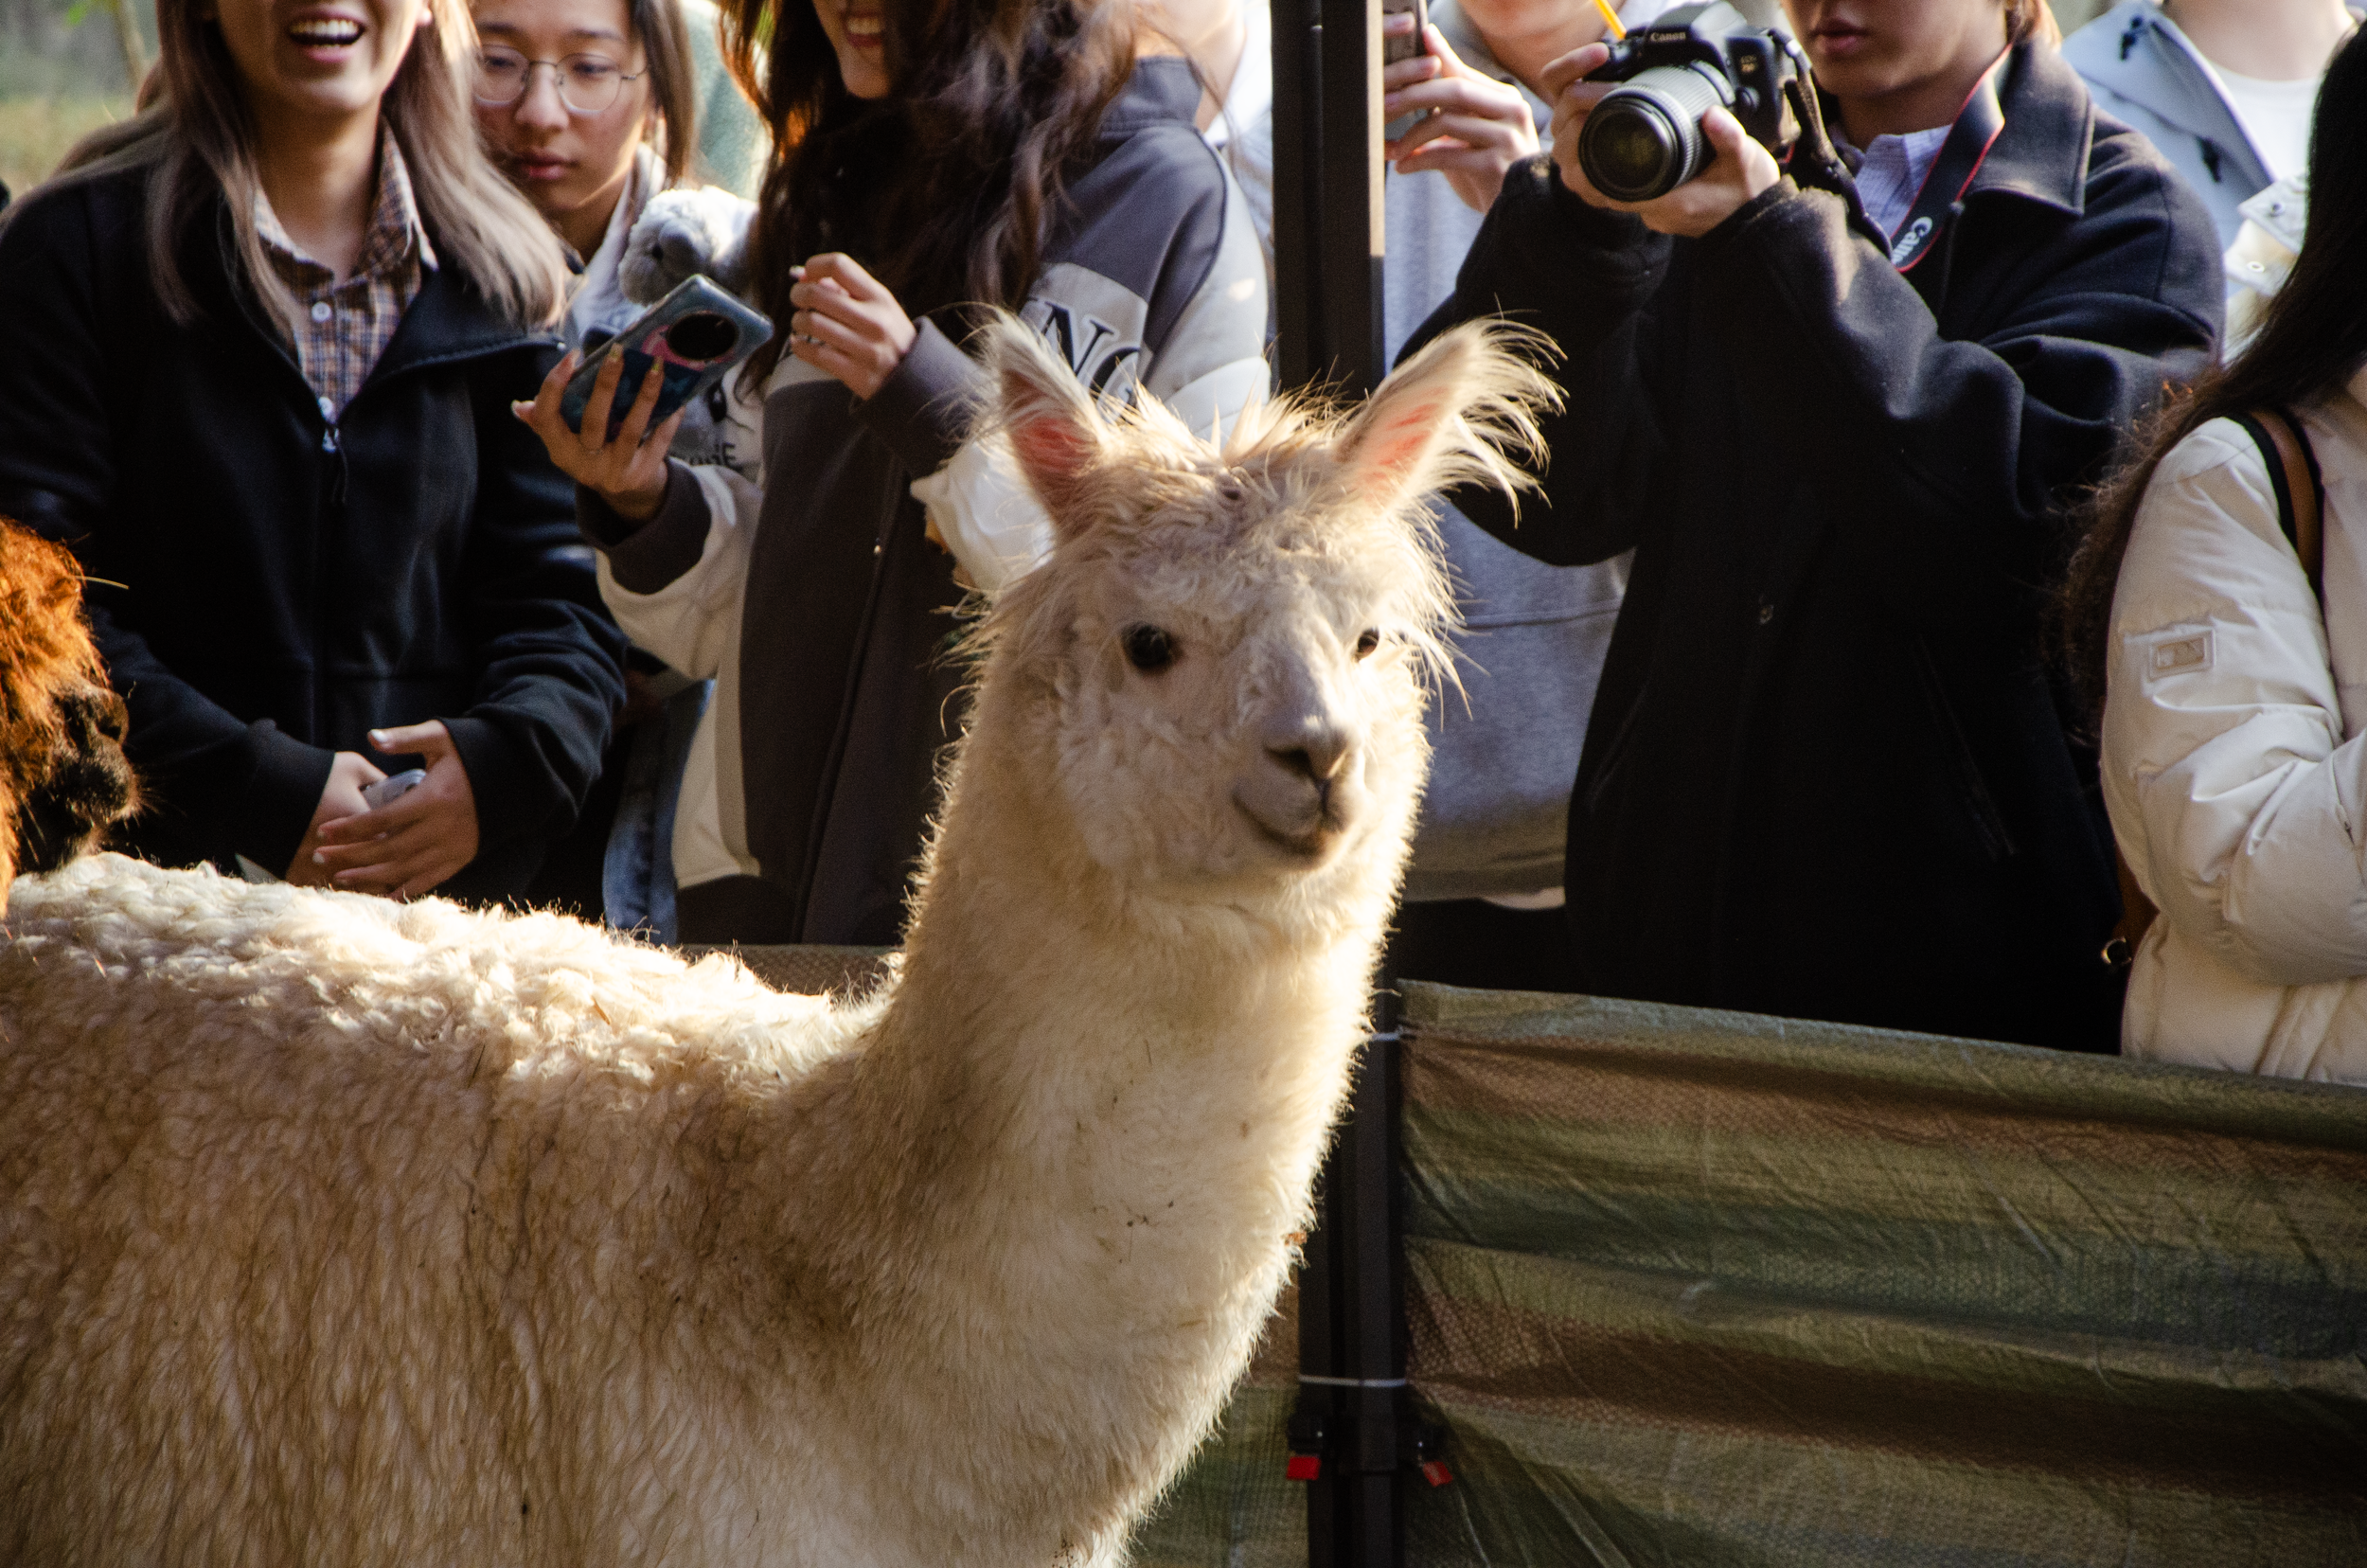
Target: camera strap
(1961, 156)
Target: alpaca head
(63, 775)
(1225, 660)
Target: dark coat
(1827, 773)
(831, 731)
(267, 587)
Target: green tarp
(1706, 1288)
(1712, 1289)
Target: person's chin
(864, 71)
(1853, 77)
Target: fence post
(1327, 193)
(1351, 1422)
(1353, 1409)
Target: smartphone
(1407, 47)
(695, 334)
(387, 791)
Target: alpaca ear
(1463, 410)
(1054, 430)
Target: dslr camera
(1645, 139)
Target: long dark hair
(944, 189)
(2312, 338)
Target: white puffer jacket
(2233, 763)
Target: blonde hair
(195, 138)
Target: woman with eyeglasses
(591, 108)
(256, 348)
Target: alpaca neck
(1114, 1034)
(1089, 1131)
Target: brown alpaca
(62, 776)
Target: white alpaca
(342, 1232)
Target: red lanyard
(1961, 156)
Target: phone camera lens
(701, 335)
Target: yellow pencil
(1611, 20)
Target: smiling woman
(254, 350)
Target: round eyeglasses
(588, 83)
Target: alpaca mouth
(86, 787)
(1310, 844)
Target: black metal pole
(1349, 273)
(1297, 189)
(1353, 1412)
(1372, 1289)
(1351, 1417)
(1327, 206)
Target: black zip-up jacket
(1827, 773)
(268, 586)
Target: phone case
(696, 333)
(1394, 49)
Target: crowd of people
(1940, 612)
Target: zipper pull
(329, 437)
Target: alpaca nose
(1316, 752)
(102, 709)
(1303, 787)
(1310, 747)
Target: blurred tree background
(67, 67)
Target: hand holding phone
(621, 456)
(1398, 41)
(387, 791)
(1465, 126)
(691, 338)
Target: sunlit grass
(36, 131)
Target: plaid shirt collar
(394, 236)
(346, 325)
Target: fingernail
(319, 859)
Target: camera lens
(701, 335)
(1643, 139)
(1629, 148)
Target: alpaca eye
(1366, 644)
(1148, 649)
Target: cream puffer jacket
(2233, 763)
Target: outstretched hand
(1472, 127)
(1740, 169)
(848, 324)
(414, 844)
(628, 472)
